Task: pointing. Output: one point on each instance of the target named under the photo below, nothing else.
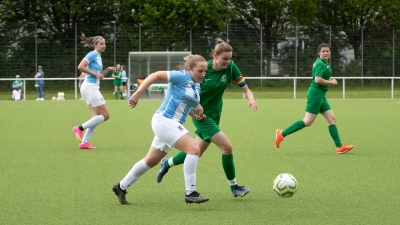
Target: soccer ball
(285, 185)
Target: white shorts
(91, 94)
(167, 132)
(15, 95)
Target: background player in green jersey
(316, 101)
(221, 71)
(118, 82)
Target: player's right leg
(188, 145)
(152, 158)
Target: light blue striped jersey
(124, 78)
(181, 97)
(94, 64)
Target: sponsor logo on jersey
(223, 78)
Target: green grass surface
(46, 179)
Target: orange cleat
(345, 148)
(278, 137)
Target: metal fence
(287, 53)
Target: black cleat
(195, 197)
(163, 170)
(121, 194)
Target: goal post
(145, 63)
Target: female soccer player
(221, 71)
(92, 65)
(182, 96)
(118, 82)
(317, 103)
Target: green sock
(229, 167)
(296, 126)
(177, 159)
(121, 94)
(333, 131)
(116, 95)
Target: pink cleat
(78, 133)
(86, 146)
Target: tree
(55, 21)
(167, 23)
(358, 16)
(275, 19)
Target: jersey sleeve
(319, 69)
(91, 56)
(237, 75)
(176, 77)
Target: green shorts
(207, 128)
(316, 101)
(117, 82)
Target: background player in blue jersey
(92, 66)
(180, 100)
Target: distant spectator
(40, 84)
(17, 88)
(124, 78)
(117, 81)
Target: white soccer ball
(285, 185)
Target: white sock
(134, 174)
(88, 134)
(170, 162)
(94, 121)
(232, 182)
(189, 171)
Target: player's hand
(253, 105)
(100, 76)
(199, 110)
(197, 117)
(112, 68)
(333, 82)
(133, 100)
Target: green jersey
(117, 73)
(214, 85)
(322, 69)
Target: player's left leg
(223, 143)
(333, 131)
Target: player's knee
(332, 120)
(196, 149)
(226, 149)
(106, 116)
(308, 123)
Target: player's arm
(108, 70)
(83, 68)
(160, 75)
(247, 92)
(319, 72)
(322, 81)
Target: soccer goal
(141, 64)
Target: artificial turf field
(46, 179)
